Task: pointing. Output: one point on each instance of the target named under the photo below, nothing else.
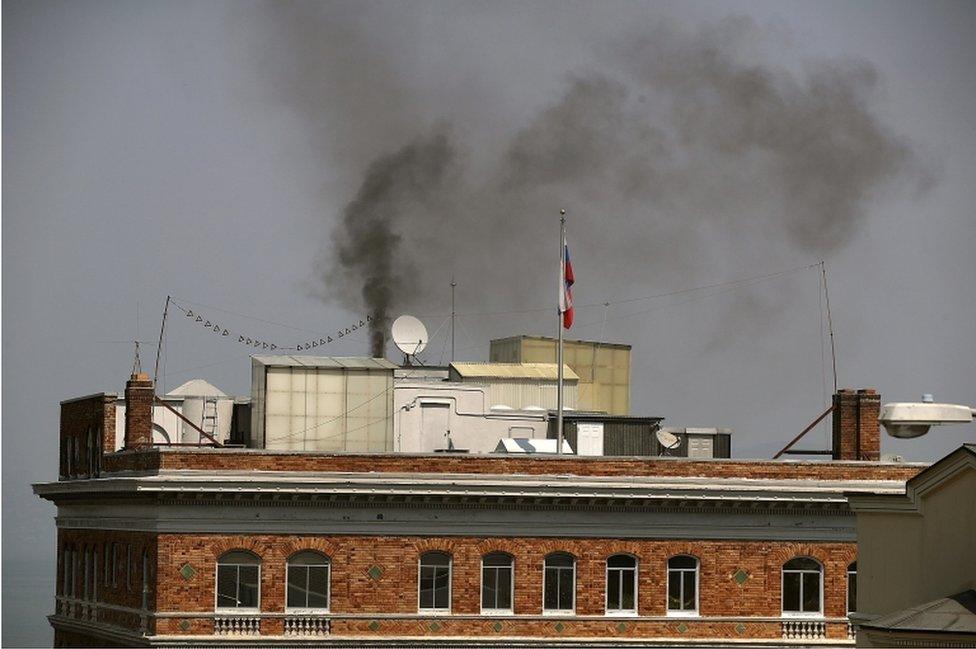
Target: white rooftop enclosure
(322, 403)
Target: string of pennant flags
(264, 345)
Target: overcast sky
(209, 150)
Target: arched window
(802, 592)
(435, 582)
(852, 587)
(308, 581)
(238, 581)
(559, 584)
(621, 585)
(497, 582)
(683, 585)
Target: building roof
(955, 614)
(197, 388)
(343, 362)
(543, 371)
(565, 340)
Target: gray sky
(208, 150)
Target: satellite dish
(668, 441)
(409, 335)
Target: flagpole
(559, 328)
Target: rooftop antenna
(453, 284)
(410, 336)
(136, 363)
(159, 346)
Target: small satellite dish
(668, 441)
(409, 335)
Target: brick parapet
(249, 460)
(86, 432)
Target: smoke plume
(669, 147)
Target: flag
(566, 289)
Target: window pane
(318, 587)
(613, 590)
(297, 586)
(851, 592)
(426, 587)
(489, 585)
(674, 590)
(497, 559)
(559, 559)
(689, 600)
(682, 562)
(801, 563)
(249, 586)
(227, 586)
(811, 592)
(552, 589)
(505, 588)
(621, 561)
(566, 589)
(442, 584)
(628, 603)
(791, 591)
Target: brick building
(187, 546)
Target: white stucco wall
(463, 409)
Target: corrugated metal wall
(638, 438)
(524, 393)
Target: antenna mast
(453, 284)
(159, 346)
(830, 324)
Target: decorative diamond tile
(740, 628)
(621, 627)
(682, 627)
(185, 625)
(435, 626)
(187, 571)
(559, 626)
(497, 626)
(375, 572)
(740, 576)
(374, 626)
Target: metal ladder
(209, 423)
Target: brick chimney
(856, 433)
(139, 395)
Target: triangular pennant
(354, 327)
(369, 318)
(362, 324)
(273, 347)
(321, 341)
(314, 344)
(199, 319)
(189, 313)
(225, 333)
(207, 325)
(240, 339)
(328, 338)
(264, 345)
(248, 341)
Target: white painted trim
(667, 588)
(481, 590)
(558, 611)
(624, 612)
(450, 584)
(328, 598)
(782, 591)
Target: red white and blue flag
(566, 289)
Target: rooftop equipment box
(322, 403)
(603, 368)
(608, 435)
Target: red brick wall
(229, 459)
(89, 424)
(139, 395)
(395, 591)
(123, 593)
(855, 432)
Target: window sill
(434, 611)
(237, 611)
(816, 615)
(568, 612)
(621, 614)
(497, 611)
(683, 614)
(306, 611)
